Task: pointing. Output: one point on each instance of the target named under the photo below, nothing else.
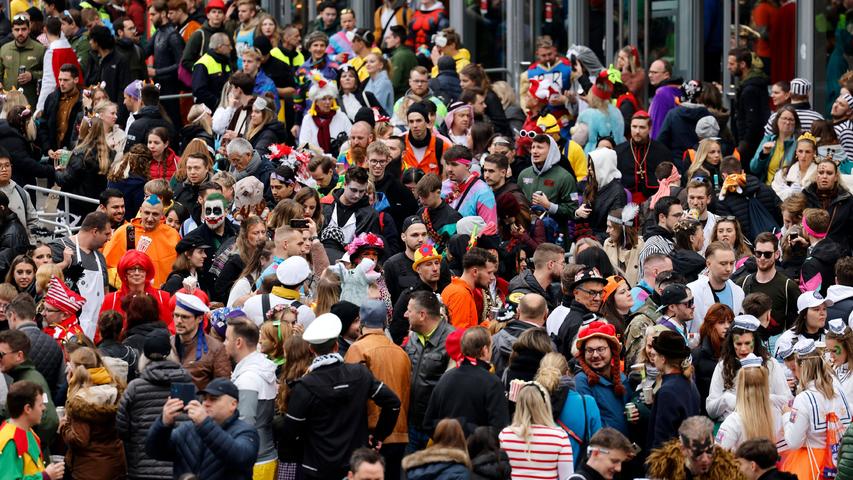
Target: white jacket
(703, 298)
(721, 402)
(731, 434)
(805, 424)
(792, 183)
(308, 131)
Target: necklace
(640, 166)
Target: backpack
(760, 219)
(186, 76)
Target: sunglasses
(767, 255)
(688, 303)
(528, 133)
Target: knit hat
(211, 4)
(321, 87)
(671, 345)
(61, 297)
(597, 329)
(373, 314)
(425, 253)
(134, 89)
(707, 127)
(365, 114)
(641, 114)
(418, 108)
(800, 87)
(347, 312)
(446, 64)
(157, 343)
(219, 319)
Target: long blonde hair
(328, 293)
(753, 403)
(701, 154)
(267, 117)
(93, 136)
(532, 407)
(814, 369)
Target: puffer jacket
(491, 466)
(429, 362)
(678, 132)
(46, 355)
(437, 463)
(737, 204)
(25, 161)
(146, 119)
(94, 449)
(271, 133)
(113, 349)
(211, 451)
(14, 240)
(140, 406)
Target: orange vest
(429, 164)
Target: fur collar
(94, 404)
(436, 455)
(668, 462)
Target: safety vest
(101, 11)
(298, 60)
(213, 67)
(429, 163)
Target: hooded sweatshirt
(842, 298)
(819, 268)
(554, 181)
(254, 376)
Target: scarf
(423, 143)
(285, 293)
(674, 178)
(200, 347)
(100, 376)
(323, 360)
(324, 132)
(253, 165)
(734, 182)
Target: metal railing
(176, 96)
(66, 220)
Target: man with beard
(597, 352)
(495, 173)
(111, 202)
(659, 238)
(692, 455)
(548, 263)
(771, 282)
(466, 192)
(638, 158)
(479, 267)
(21, 60)
(842, 122)
(698, 198)
(215, 230)
(423, 148)
(127, 44)
(148, 234)
(677, 304)
(587, 291)
(401, 201)
(360, 136)
(203, 356)
(399, 271)
(428, 269)
(348, 210)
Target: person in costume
(201, 355)
(20, 447)
(136, 270)
(59, 311)
(325, 120)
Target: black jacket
(46, 355)
(399, 276)
(191, 131)
(610, 197)
(145, 120)
(704, 363)
(365, 99)
(570, 327)
(47, 128)
(657, 153)
(14, 241)
(82, 177)
(204, 234)
(470, 394)
(840, 215)
(402, 202)
(186, 193)
(821, 261)
(750, 113)
(141, 405)
(737, 204)
(446, 86)
(167, 46)
(207, 88)
(327, 415)
(495, 112)
(429, 362)
(113, 349)
(135, 336)
(133, 52)
(273, 132)
(366, 219)
(678, 132)
(503, 341)
(688, 263)
(25, 161)
(113, 69)
(229, 274)
(527, 283)
(490, 465)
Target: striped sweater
(548, 455)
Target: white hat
(751, 360)
(836, 326)
(324, 328)
(746, 322)
(467, 225)
(811, 299)
(293, 271)
(321, 87)
(190, 303)
(806, 346)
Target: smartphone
(299, 223)
(184, 391)
(793, 236)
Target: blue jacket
(676, 399)
(382, 89)
(582, 426)
(761, 161)
(612, 408)
(210, 451)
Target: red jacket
(159, 171)
(113, 302)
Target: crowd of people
(324, 251)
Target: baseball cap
(221, 386)
(811, 299)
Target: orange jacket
(458, 297)
(160, 247)
(430, 162)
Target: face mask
(214, 214)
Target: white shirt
(805, 424)
(721, 402)
(731, 434)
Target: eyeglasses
(47, 310)
(528, 133)
(592, 293)
(596, 351)
(375, 161)
(759, 254)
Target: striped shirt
(547, 456)
(806, 114)
(844, 132)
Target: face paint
(699, 447)
(214, 213)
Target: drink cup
(60, 412)
(57, 459)
(648, 394)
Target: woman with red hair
(712, 335)
(136, 270)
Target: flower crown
(365, 240)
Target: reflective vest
(213, 67)
(101, 11)
(298, 60)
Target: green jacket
(635, 335)
(80, 44)
(845, 457)
(403, 60)
(46, 430)
(555, 182)
(29, 57)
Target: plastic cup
(60, 412)
(57, 459)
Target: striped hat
(751, 360)
(800, 87)
(836, 326)
(62, 297)
(746, 322)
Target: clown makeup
(214, 213)
(744, 344)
